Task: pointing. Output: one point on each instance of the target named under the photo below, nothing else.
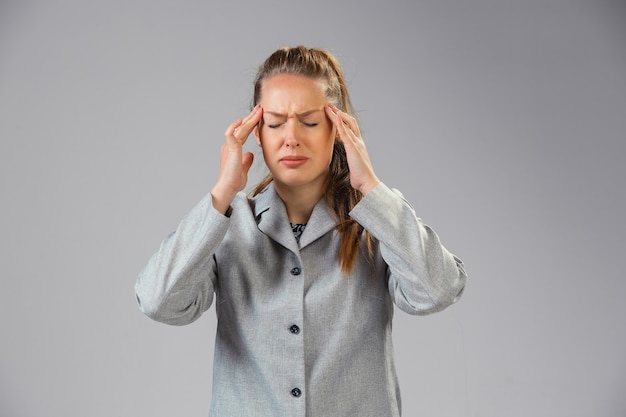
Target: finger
(246, 161)
(350, 122)
(343, 127)
(333, 116)
(330, 112)
(344, 119)
(251, 115)
(230, 131)
(343, 133)
(248, 123)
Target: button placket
(295, 330)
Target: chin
(299, 179)
(291, 182)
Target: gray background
(502, 122)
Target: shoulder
(248, 206)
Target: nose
(291, 134)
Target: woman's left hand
(362, 176)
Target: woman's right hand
(234, 164)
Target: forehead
(291, 87)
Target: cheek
(330, 149)
(332, 136)
(266, 135)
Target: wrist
(222, 198)
(368, 186)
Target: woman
(306, 271)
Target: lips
(293, 161)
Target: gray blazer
(295, 337)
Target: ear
(257, 134)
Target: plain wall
(503, 122)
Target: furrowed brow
(307, 113)
(303, 114)
(273, 113)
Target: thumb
(246, 161)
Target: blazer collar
(272, 220)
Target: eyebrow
(303, 114)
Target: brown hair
(339, 195)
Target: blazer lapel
(272, 220)
(320, 223)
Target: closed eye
(277, 125)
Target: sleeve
(178, 282)
(423, 277)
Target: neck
(299, 201)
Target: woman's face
(296, 136)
